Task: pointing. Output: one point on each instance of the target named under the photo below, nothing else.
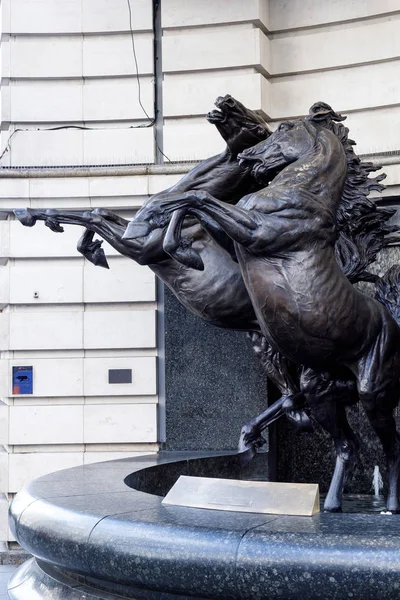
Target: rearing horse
(209, 294)
(284, 238)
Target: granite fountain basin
(101, 532)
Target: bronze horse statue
(208, 294)
(284, 237)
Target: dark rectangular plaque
(22, 380)
(119, 375)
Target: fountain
(272, 234)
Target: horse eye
(285, 126)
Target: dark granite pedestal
(100, 532)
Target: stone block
(61, 283)
(45, 16)
(103, 16)
(375, 132)
(23, 468)
(45, 148)
(13, 187)
(119, 329)
(195, 94)
(4, 530)
(4, 330)
(4, 285)
(58, 187)
(46, 330)
(159, 183)
(191, 141)
(126, 185)
(178, 13)
(4, 415)
(113, 54)
(120, 423)
(35, 242)
(216, 48)
(49, 101)
(46, 425)
(50, 56)
(125, 281)
(52, 377)
(118, 146)
(117, 99)
(310, 13)
(335, 47)
(345, 89)
(96, 377)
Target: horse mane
(362, 227)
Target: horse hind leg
(379, 396)
(285, 377)
(324, 398)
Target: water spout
(377, 482)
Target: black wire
(151, 121)
(8, 145)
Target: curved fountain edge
(92, 534)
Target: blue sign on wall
(22, 380)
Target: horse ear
(321, 111)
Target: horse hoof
(246, 456)
(334, 509)
(250, 439)
(25, 217)
(99, 259)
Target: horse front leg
(238, 223)
(106, 224)
(180, 248)
(53, 218)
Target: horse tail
(388, 292)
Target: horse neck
(321, 171)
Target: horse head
(239, 126)
(291, 141)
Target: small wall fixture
(120, 376)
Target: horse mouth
(259, 171)
(216, 116)
(262, 171)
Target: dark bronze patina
(217, 294)
(346, 344)
(277, 261)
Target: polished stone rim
(88, 521)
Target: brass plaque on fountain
(267, 497)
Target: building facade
(103, 105)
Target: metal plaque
(245, 496)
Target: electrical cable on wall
(151, 121)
